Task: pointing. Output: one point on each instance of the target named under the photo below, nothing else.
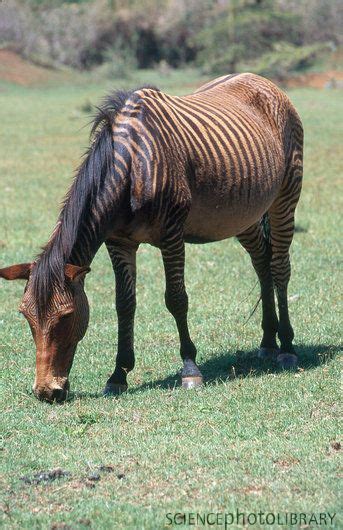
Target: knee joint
(176, 301)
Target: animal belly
(213, 218)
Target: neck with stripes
(90, 237)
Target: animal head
(57, 330)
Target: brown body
(225, 161)
(227, 187)
(228, 200)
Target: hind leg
(256, 245)
(281, 217)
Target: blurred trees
(267, 36)
(243, 30)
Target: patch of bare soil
(89, 480)
(329, 79)
(15, 69)
(45, 476)
(286, 463)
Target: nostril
(58, 394)
(42, 395)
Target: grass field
(253, 438)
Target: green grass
(252, 438)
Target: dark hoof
(112, 389)
(267, 353)
(192, 381)
(287, 360)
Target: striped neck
(90, 237)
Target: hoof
(287, 360)
(112, 389)
(192, 381)
(267, 353)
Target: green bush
(119, 63)
(242, 33)
(285, 58)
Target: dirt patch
(89, 480)
(286, 463)
(15, 69)
(45, 476)
(329, 79)
(65, 526)
(252, 490)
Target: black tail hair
(267, 237)
(267, 233)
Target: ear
(16, 272)
(74, 272)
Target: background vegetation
(271, 37)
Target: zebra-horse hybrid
(224, 161)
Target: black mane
(48, 272)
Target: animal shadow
(228, 365)
(231, 365)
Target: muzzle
(51, 393)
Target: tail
(265, 224)
(266, 233)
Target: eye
(63, 321)
(64, 318)
(62, 327)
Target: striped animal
(224, 161)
